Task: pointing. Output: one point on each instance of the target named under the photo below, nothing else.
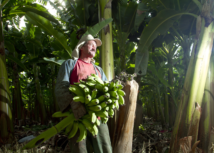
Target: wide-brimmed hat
(75, 52)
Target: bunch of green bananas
(100, 99)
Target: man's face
(89, 49)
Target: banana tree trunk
(139, 108)
(17, 100)
(156, 109)
(160, 108)
(193, 90)
(206, 122)
(171, 100)
(55, 107)
(107, 59)
(166, 107)
(6, 124)
(106, 37)
(39, 95)
(123, 136)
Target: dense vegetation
(168, 43)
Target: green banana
(105, 89)
(102, 114)
(79, 99)
(97, 123)
(120, 87)
(114, 94)
(116, 104)
(99, 87)
(91, 78)
(93, 116)
(93, 102)
(95, 108)
(76, 90)
(95, 129)
(105, 120)
(94, 93)
(101, 98)
(83, 132)
(111, 86)
(91, 127)
(81, 81)
(103, 104)
(90, 83)
(86, 90)
(107, 95)
(111, 106)
(74, 130)
(109, 101)
(106, 83)
(87, 99)
(121, 92)
(98, 79)
(121, 100)
(81, 85)
(111, 113)
(69, 127)
(60, 114)
(106, 108)
(87, 123)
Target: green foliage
(46, 25)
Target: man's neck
(86, 59)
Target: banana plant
(5, 99)
(128, 18)
(167, 15)
(188, 115)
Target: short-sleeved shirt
(81, 71)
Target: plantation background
(167, 43)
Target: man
(71, 71)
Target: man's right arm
(62, 93)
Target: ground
(150, 138)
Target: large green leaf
(140, 15)
(128, 20)
(53, 60)
(99, 26)
(3, 4)
(198, 4)
(158, 25)
(39, 12)
(47, 26)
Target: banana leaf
(47, 26)
(158, 25)
(3, 4)
(42, 13)
(53, 60)
(99, 26)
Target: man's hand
(78, 109)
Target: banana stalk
(106, 37)
(206, 122)
(39, 94)
(49, 133)
(6, 125)
(193, 87)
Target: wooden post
(123, 135)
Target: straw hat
(75, 53)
